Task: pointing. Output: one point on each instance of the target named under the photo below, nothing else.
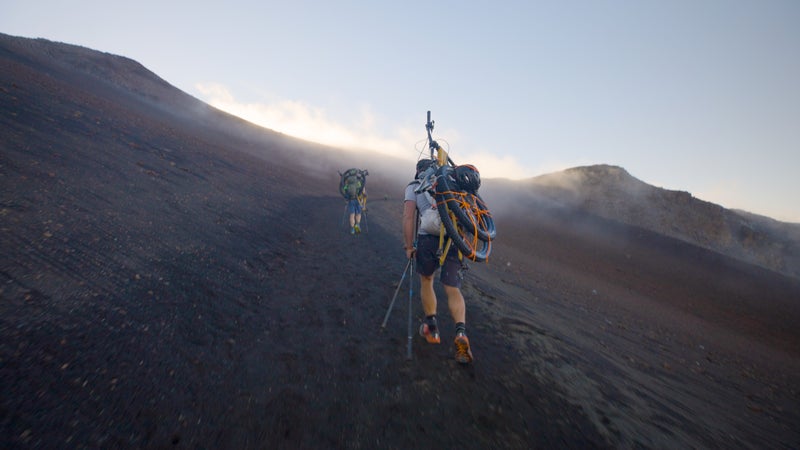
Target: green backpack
(352, 182)
(352, 187)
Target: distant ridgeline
(612, 193)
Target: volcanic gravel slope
(173, 277)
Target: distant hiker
(353, 188)
(427, 246)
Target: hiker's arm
(409, 216)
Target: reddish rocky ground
(179, 279)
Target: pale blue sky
(693, 95)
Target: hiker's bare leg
(427, 294)
(352, 220)
(456, 303)
(358, 218)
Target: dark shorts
(353, 206)
(428, 261)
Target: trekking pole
(389, 311)
(410, 296)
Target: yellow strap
(441, 156)
(444, 253)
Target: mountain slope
(612, 193)
(173, 276)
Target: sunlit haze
(701, 97)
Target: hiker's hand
(410, 252)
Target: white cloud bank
(304, 121)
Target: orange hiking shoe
(430, 333)
(463, 353)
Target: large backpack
(352, 183)
(352, 187)
(456, 189)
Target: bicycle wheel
(469, 208)
(467, 242)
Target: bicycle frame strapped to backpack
(466, 220)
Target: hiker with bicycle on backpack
(427, 256)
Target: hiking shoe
(430, 333)
(463, 353)
(353, 230)
(357, 228)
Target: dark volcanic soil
(175, 279)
